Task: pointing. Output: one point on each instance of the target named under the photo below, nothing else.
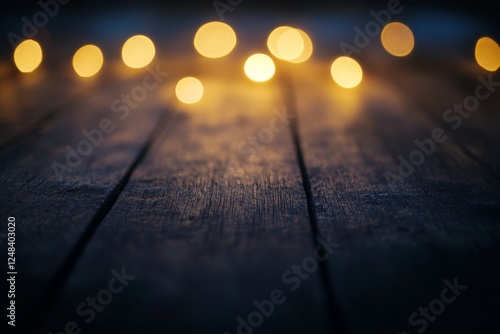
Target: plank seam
(336, 321)
(48, 118)
(433, 121)
(60, 278)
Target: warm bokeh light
(272, 40)
(28, 56)
(346, 72)
(259, 67)
(189, 90)
(306, 51)
(88, 60)
(290, 44)
(215, 39)
(138, 51)
(487, 54)
(287, 43)
(397, 39)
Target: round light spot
(215, 39)
(287, 43)
(290, 44)
(272, 40)
(487, 54)
(307, 50)
(397, 39)
(28, 56)
(138, 51)
(259, 67)
(189, 90)
(88, 60)
(346, 72)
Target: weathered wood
(399, 240)
(205, 227)
(53, 215)
(34, 101)
(436, 93)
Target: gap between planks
(62, 274)
(50, 116)
(435, 122)
(336, 321)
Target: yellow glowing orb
(290, 44)
(259, 67)
(287, 43)
(272, 40)
(28, 56)
(346, 72)
(189, 90)
(88, 60)
(215, 39)
(487, 54)
(306, 51)
(138, 51)
(397, 39)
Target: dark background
(444, 31)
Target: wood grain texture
(206, 227)
(209, 221)
(53, 214)
(400, 240)
(31, 102)
(435, 92)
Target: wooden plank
(33, 100)
(400, 242)
(205, 225)
(476, 131)
(54, 215)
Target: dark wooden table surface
(209, 220)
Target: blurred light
(215, 39)
(487, 54)
(307, 50)
(397, 39)
(138, 51)
(287, 43)
(189, 90)
(346, 72)
(272, 40)
(88, 60)
(259, 67)
(290, 44)
(28, 56)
